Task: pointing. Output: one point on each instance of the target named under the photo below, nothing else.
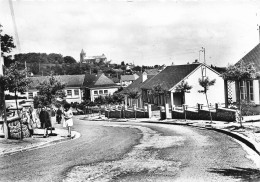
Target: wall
(220, 114)
(73, 97)
(125, 114)
(215, 93)
(110, 92)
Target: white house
(172, 76)
(73, 83)
(250, 89)
(126, 80)
(98, 85)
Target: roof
(129, 77)
(170, 76)
(252, 56)
(152, 71)
(136, 85)
(93, 81)
(68, 80)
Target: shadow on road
(244, 174)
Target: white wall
(215, 92)
(256, 91)
(110, 92)
(69, 99)
(73, 97)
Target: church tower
(82, 56)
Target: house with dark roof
(249, 89)
(136, 87)
(73, 83)
(98, 85)
(127, 79)
(172, 76)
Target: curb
(231, 134)
(42, 145)
(235, 135)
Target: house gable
(252, 56)
(93, 81)
(170, 76)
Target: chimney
(144, 77)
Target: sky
(136, 31)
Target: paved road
(134, 152)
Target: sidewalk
(11, 146)
(249, 134)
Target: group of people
(44, 117)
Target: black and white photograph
(130, 90)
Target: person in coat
(45, 121)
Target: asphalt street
(108, 151)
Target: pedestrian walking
(45, 121)
(31, 121)
(58, 115)
(68, 122)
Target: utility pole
(258, 28)
(204, 51)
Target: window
(243, 90)
(76, 92)
(69, 93)
(251, 90)
(105, 91)
(95, 92)
(30, 95)
(100, 91)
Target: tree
(206, 83)
(34, 68)
(7, 44)
(118, 97)
(157, 90)
(55, 58)
(183, 87)
(100, 100)
(16, 80)
(133, 94)
(239, 73)
(49, 91)
(69, 60)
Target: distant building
(98, 85)
(136, 87)
(128, 79)
(73, 86)
(91, 59)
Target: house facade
(91, 59)
(248, 90)
(136, 87)
(98, 85)
(171, 76)
(126, 80)
(73, 90)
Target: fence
(128, 112)
(201, 112)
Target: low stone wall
(126, 114)
(220, 114)
(15, 127)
